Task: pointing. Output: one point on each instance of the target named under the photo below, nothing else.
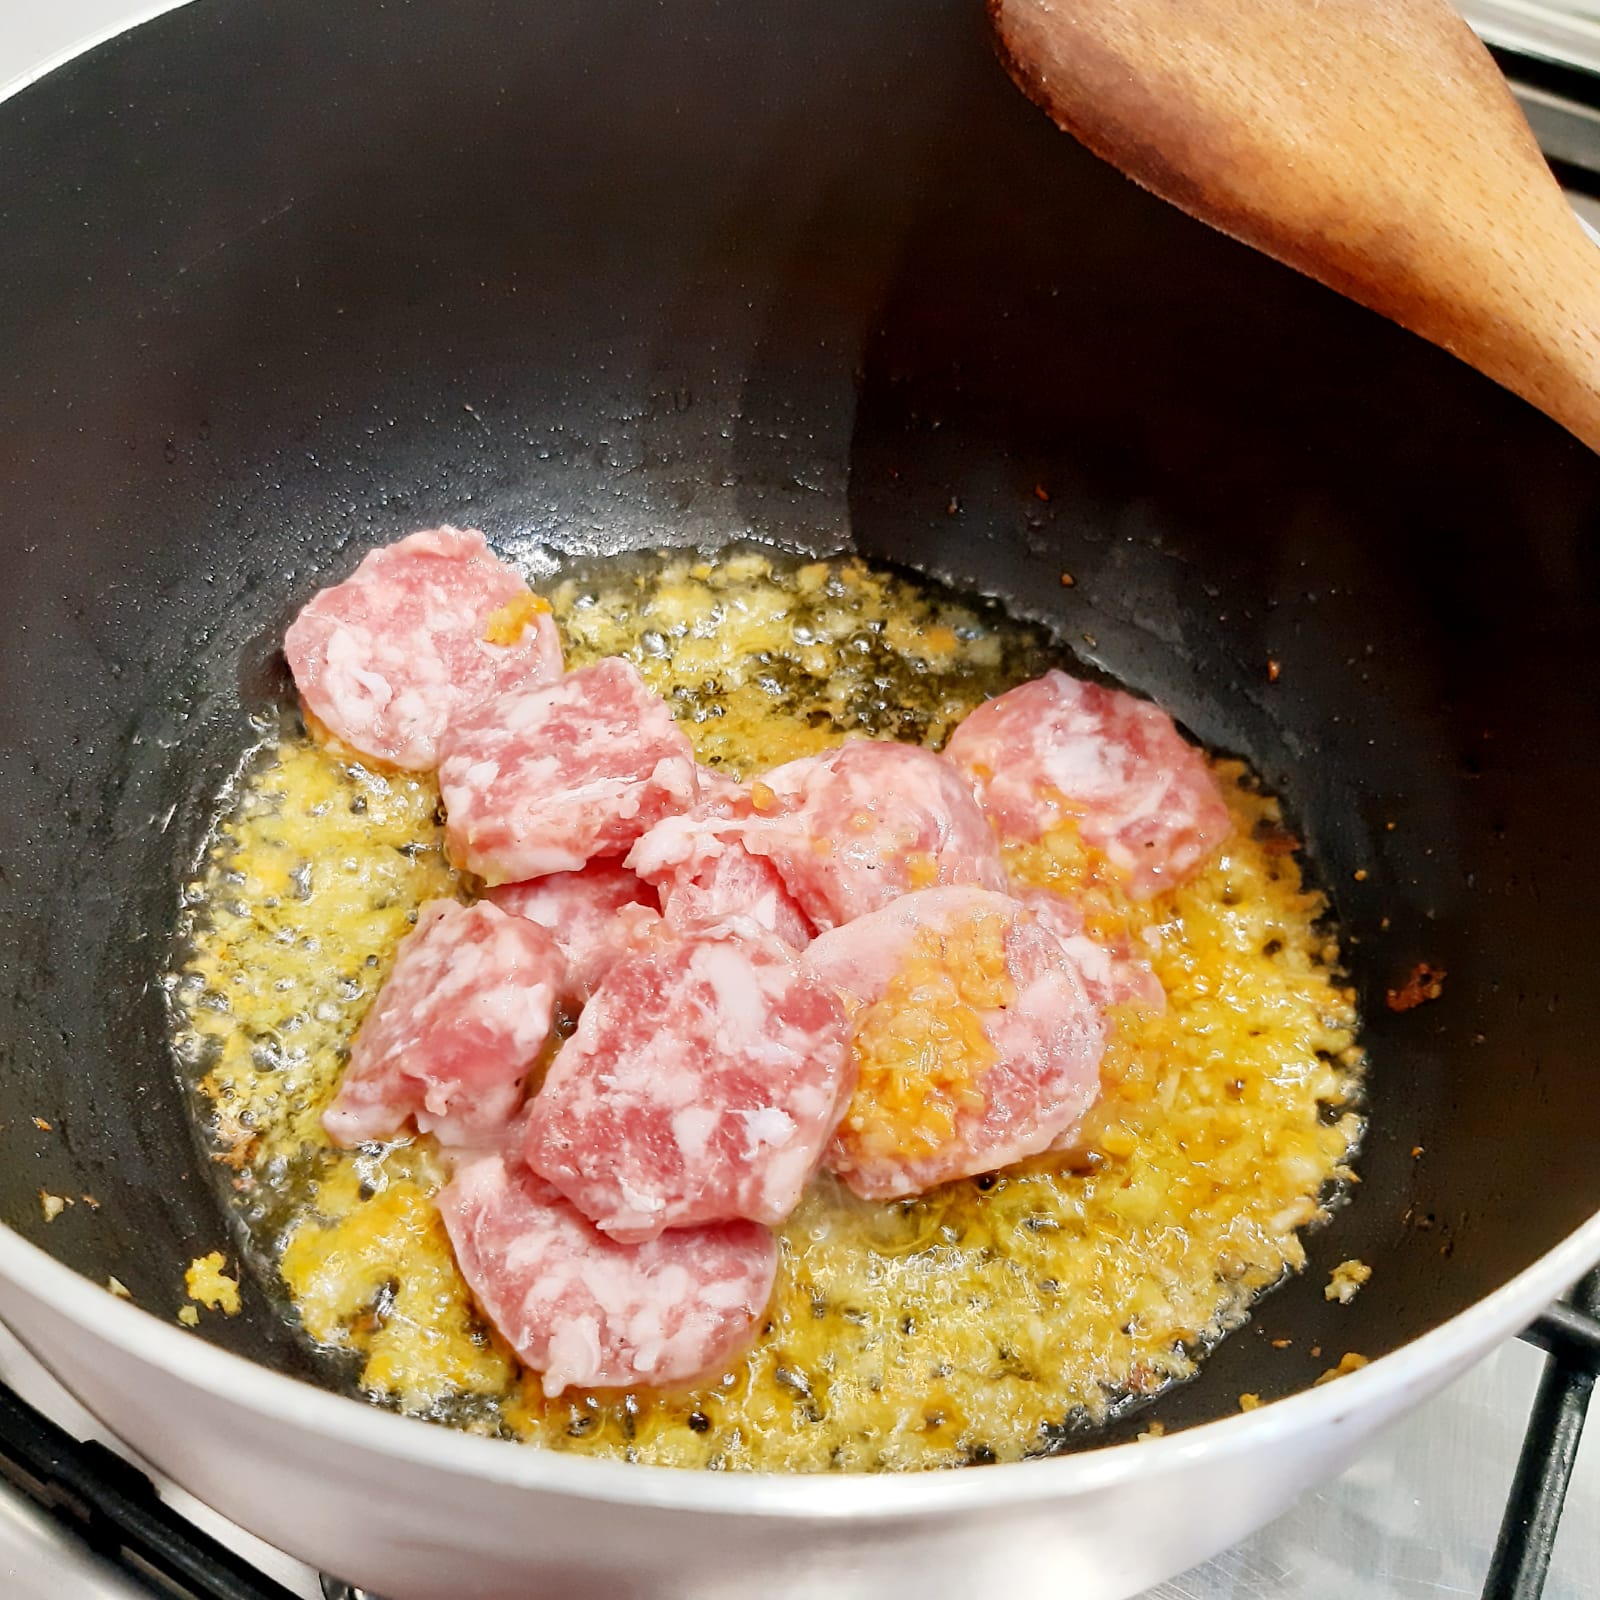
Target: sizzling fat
(968, 1324)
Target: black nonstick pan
(282, 280)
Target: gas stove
(1491, 1489)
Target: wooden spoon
(1372, 144)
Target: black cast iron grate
(1570, 1332)
(117, 1512)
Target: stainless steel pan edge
(421, 1513)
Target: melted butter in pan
(972, 1323)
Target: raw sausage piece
(1060, 749)
(715, 784)
(974, 1038)
(703, 1081)
(688, 845)
(588, 1312)
(736, 883)
(851, 829)
(388, 658)
(699, 863)
(1112, 974)
(465, 1012)
(595, 915)
(544, 780)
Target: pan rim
(59, 58)
(839, 1498)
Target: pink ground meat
(1113, 975)
(699, 864)
(595, 914)
(1060, 750)
(1047, 1043)
(466, 1010)
(703, 1081)
(391, 656)
(851, 829)
(588, 1312)
(544, 780)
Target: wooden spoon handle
(1372, 144)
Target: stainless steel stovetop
(1416, 1518)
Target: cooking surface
(1417, 1517)
(906, 1335)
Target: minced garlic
(505, 626)
(989, 1319)
(1344, 1283)
(1348, 1363)
(921, 1051)
(210, 1286)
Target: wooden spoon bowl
(1371, 144)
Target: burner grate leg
(1544, 1469)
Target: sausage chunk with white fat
(1113, 973)
(703, 1082)
(595, 914)
(1060, 750)
(587, 1312)
(422, 630)
(851, 829)
(703, 871)
(974, 1039)
(546, 779)
(465, 1012)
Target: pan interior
(265, 301)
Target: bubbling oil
(974, 1323)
